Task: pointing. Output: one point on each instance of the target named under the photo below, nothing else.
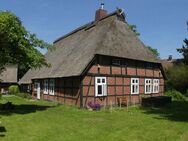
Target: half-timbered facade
(99, 63)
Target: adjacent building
(8, 77)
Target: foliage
(94, 106)
(73, 124)
(0, 95)
(184, 50)
(133, 28)
(176, 95)
(177, 78)
(154, 51)
(186, 93)
(17, 45)
(13, 89)
(24, 95)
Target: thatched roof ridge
(118, 12)
(108, 36)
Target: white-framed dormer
(100, 86)
(51, 86)
(148, 86)
(134, 85)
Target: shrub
(176, 95)
(177, 78)
(186, 93)
(94, 106)
(13, 89)
(0, 95)
(24, 95)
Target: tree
(177, 78)
(133, 28)
(154, 51)
(184, 50)
(19, 46)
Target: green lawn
(47, 121)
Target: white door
(38, 90)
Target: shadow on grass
(2, 131)
(175, 111)
(22, 109)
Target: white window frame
(103, 84)
(45, 86)
(135, 83)
(51, 87)
(148, 86)
(155, 85)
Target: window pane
(99, 89)
(103, 80)
(136, 89)
(98, 80)
(133, 88)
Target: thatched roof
(9, 74)
(109, 36)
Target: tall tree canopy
(17, 45)
(184, 50)
(153, 50)
(134, 29)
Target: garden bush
(0, 95)
(186, 93)
(24, 95)
(176, 95)
(13, 89)
(93, 106)
(177, 78)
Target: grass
(47, 121)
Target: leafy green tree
(154, 51)
(184, 50)
(134, 29)
(17, 45)
(177, 78)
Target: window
(100, 86)
(51, 87)
(134, 86)
(148, 86)
(116, 62)
(45, 90)
(35, 85)
(149, 65)
(155, 85)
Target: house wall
(80, 91)
(67, 90)
(119, 80)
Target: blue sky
(162, 23)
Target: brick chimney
(100, 13)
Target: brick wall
(119, 82)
